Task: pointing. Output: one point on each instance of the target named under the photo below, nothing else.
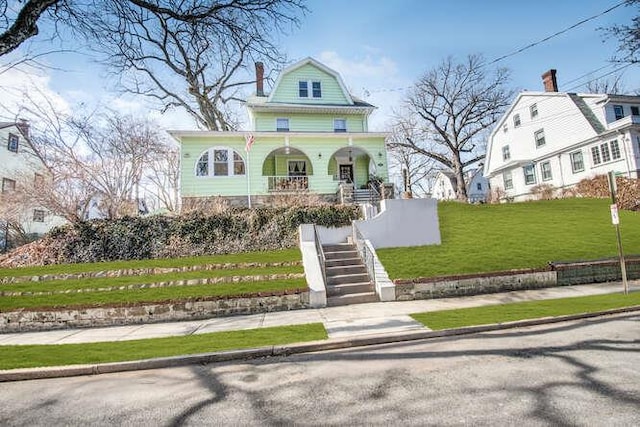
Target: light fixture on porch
(350, 158)
(379, 154)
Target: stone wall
(596, 271)
(473, 285)
(21, 321)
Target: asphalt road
(576, 373)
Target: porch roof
(178, 134)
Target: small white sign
(615, 220)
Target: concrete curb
(284, 350)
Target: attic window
(618, 111)
(303, 89)
(635, 111)
(13, 143)
(317, 89)
(516, 120)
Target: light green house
(309, 134)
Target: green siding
(287, 90)
(333, 167)
(361, 170)
(266, 122)
(269, 166)
(318, 150)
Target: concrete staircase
(347, 278)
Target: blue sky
(382, 47)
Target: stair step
(347, 278)
(346, 269)
(349, 288)
(348, 299)
(340, 247)
(340, 255)
(342, 261)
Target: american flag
(250, 140)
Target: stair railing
(365, 254)
(321, 258)
(374, 194)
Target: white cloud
(374, 78)
(25, 88)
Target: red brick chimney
(549, 81)
(259, 79)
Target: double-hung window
(539, 137)
(339, 125)
(635, 111)
(507, 179)
(303, 89)
(577, 163)
(516, 120)
(316, 89)
(8, 185)
(545, 167)
(618, 111)
(506, 155)
(12, 144)
(595, 155)
(533, 110)
(529, 174)
(615, 150)
(606, 154)
(282, 124)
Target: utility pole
(615, 219)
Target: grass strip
(101, 282)
(32, 356)
(244, 257)
(487, 238)
(147, 295)
(447, 319)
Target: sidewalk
(340, 322)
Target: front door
(346, 173)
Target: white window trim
(517, 123)
(278, 129)
(548, 162)
(544, 139)
(572, 163)
(210, 163)
(506, 174)
(17, 141)
(310, 89)
(533, 173)
(507, 152)
(335, 128)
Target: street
(575, 373)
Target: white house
(19, 161)
(446, 185)
(559, 138)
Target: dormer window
(516, 120)
(303, 89)
(635, 111)
(13, 142)
(282, 124)
(317, 89)
(618, 111)
(339, 125)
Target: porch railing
(287, 183)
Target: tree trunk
(461, 190)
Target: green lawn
(486, 315)
(286, 255)
(101, 282)
(485, 238)
(30, 356)
(148, 295)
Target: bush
(628, 190)
(194, 233)
(543, 191)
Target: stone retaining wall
(22, 321)
(596, 271)
(473, 285)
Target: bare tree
(413, 167)
(614, 85)
(454, 105)
(191, 55)
(628, 35)
(162, 179)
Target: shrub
(543, 191)
(194, 233)
(628, 190)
